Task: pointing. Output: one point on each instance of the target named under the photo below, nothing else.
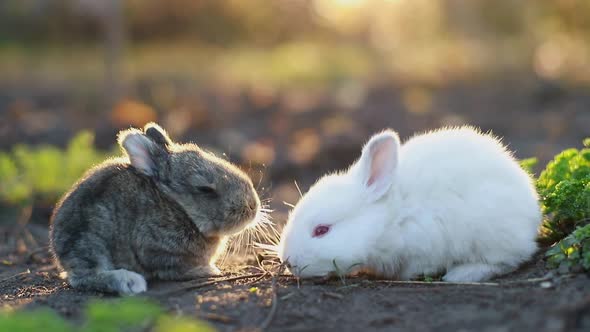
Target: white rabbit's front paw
(474, 272)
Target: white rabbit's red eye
(321, 230)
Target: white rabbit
(450, 201)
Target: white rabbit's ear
(378, 163)
(140, 150)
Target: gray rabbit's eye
(207, 190)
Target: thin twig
(23, 220)
(37, 250)
(446, 283)
(435, 283)
(28, 236)
(534, 280)
(275, 299)
(260, 278)
(191, 286)
(25, 216)
(216, 317)
(16, 275)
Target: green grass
(128, 314)
(297, 64)
(42, 174)
(300, 64)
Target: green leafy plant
(573, 252)
(44, 173)
(129, 314)
(528, 164)
(564, 190)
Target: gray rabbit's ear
(141, 150)
(157, 134)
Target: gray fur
(162, 212)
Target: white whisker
(261, 237)
(289, 205)
(299, 190)
(269, 247)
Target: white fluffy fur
(456, 202)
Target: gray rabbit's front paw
(122, 282)
(204, 271)
(129, 283)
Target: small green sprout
(341, 274)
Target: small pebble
(546, 284)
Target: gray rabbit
(162, 212)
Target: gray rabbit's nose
(249, 208)
(252, 204)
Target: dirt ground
(530, 299)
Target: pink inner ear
(381, 158)
(139, 154)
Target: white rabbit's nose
(291, 267)
(288, 264)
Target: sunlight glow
(261, 234)
(345, 14)
(347, 3)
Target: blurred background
(288, 89)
